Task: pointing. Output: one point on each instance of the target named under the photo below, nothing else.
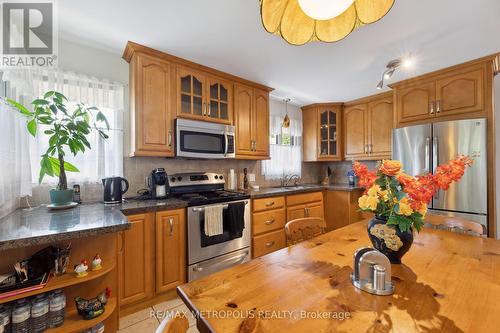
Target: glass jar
(57, 308)
(21, 314)
(99, 328)
(39, 313)
(5, 319)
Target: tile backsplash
(136, 169)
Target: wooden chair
(303, 229)
(173, 325)
(455, 224)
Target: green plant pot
(61, 197)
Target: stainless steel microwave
(200, 139)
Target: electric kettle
(114, 188)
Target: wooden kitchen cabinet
(322, 128)
(251, 110)
(151, 116)
(341, 208)
(170, 249)
(304, 205)
(137, 260)
(368, 125)
(203, 97)
(459, 92)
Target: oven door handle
(226, 261)
(202, 209)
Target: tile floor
(148, 320)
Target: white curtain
(15, 180)
(106, 156)
(286, 143)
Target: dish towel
(214, 221)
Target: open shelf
(63, 281)
(75, 323)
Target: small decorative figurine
(92, 308)
(81, 269)
(96, 263)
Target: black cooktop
(210, 197)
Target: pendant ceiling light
(302, 21)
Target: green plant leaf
(21, 108)
(60, 96)
(32, 127)
(70, 167)
(48, 94)
(40, 102)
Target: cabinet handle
(269, 204)
(306, 212)
(438, 106)
(270, 244)
(269, 222)
(171, 225)
(204, 109)
(366, 149)
(431, 108)
(169, 138)
(370, 148)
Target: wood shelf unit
(63, 281)
(75, 323)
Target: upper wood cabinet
(368, 125)
(252, 122)
(459, 92)
(151, 118)
(164, 87)
(203, 97)
(170, 249)
(321, 132)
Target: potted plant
(399, 201)
(66, 129)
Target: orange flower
(405, 179)
(390, 167)
(366, 178)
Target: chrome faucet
(287, 179)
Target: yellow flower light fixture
(302, 21)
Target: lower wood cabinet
(153, 257)
(271, 214)
(136, 275)
(170, 249)
(341, 208)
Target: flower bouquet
(399, 201)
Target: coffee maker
(158, 184)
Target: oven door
(200, 248)
(210, 266)
(198, 139)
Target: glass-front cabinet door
(191, 89)
(203, 97)
(220, 94)
(329, 133)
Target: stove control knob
(216, 177)
(179, 178)
(172, 179)
(221, 177)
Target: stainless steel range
(209, 254)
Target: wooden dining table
(448, 282)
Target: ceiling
(228, 35)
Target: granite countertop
(28, 227)
(265, 192)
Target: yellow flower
(374, 190)
(404, 207)
(368, 202)
(423, 210)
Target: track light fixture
(392, 66)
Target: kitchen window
(106, 156)
(285, 142)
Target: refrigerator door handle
(435, 158)
(427, 154)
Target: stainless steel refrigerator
(422, 148)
